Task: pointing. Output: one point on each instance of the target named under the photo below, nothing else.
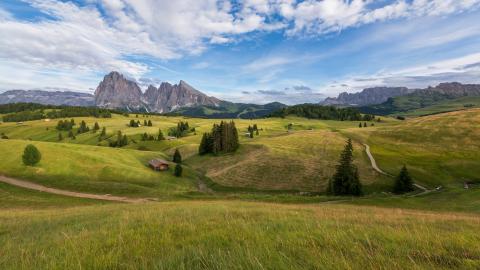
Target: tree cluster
(323, 112)
(134, 123)
(346, 180)
(121, 141)
(65, 125)
(181, 130)
(83, 128)
(253, 129)
(223, 138)
(146, 137)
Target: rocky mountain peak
(115, 91)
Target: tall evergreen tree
(70, 134)
(178, 170)
(60, 137)
(31, 155)
(346, 179)
(403, 182)
(177, 157)
(96, 126)
(145, 122)
(160, 135)
(150, 123)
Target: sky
(258, 51)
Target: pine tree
(346, 179)
(132, 123)
(96, 126)
(104, 132)
(251, 134)
(160, 135)
(177, 157)
(403, 182)
(178, 170)
(360, 125)
(72, 122)
(364, 124)
(124, 141)
(150, 123)
(145, 122)
(202, 148)
(256, 132)
(70, 134)
(31, 155)
(60, 137)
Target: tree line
(19, 112)
(222, 139)
(313, 111)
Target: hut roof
(157, 162)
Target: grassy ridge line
(237, 235)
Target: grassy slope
(438, 150)
(445, 106)
(298, 155)
(14, 198)
(92, 169)
(236, 235)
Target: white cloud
(465, 69)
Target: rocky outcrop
(167, 97)
(452, 90)
(117, 92)
(47, 97)
(368, 96)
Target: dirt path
(30, 185)
(372, 160)
(376, 168)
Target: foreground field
(236, 235)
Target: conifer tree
(70, 134)
(364, 124)
(177, 157)
(31, 155)
(403, 182)
(251, 134)
(346, 179)
(178, 170)
(360, 125)
(145, 122)
(160, 135)
(150, 123)
(60, 137)
(96, 126)
(104, 132)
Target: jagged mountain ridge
(117, 92)
(367, 96)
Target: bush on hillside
(31, 155)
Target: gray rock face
(368, 96)
(47, 97)
(453, 90)
(117, 92)
(167, 97)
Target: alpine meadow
(328, 134)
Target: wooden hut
(158, 164)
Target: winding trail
(33, 186)
(376, 168)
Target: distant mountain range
(117, 92)
(422, 98)
(368, 96)
(47, 97)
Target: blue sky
(244, 51)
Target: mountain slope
(423, 98)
